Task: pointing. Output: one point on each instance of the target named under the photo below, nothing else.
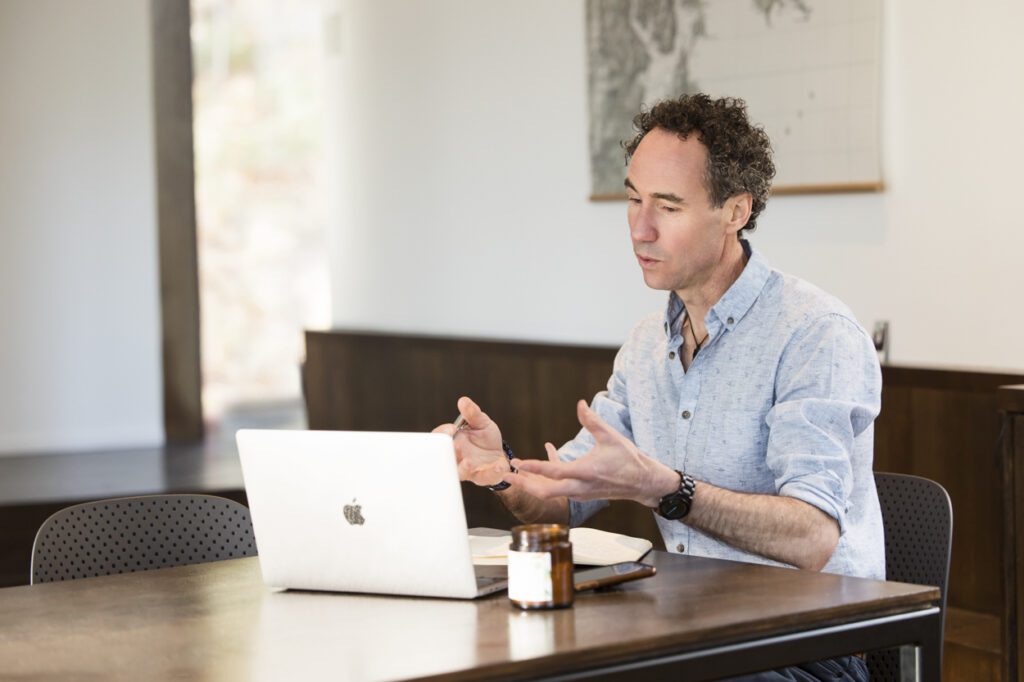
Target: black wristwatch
(676, 505)
(504, 485)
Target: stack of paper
(590, 547)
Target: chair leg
(910, 663)
(922, 661)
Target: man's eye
(670, 209)
(633, 200)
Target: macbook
(361, 512)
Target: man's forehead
(666, 142)
(665, 163)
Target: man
(742, 414)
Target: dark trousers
(844, 669)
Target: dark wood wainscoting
(946, 425)
(941, 424)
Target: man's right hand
(478, 450)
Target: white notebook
(590, 547)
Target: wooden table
(698, 619)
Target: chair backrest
(918, 520)
(128, 534)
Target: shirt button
(672, 355)
(680, 548)
(686, 414)
(729, 321)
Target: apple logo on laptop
(354, 513)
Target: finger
(545, 488)
(597, 427)
(471, 412)
(554, 470)
(552, 453)
(537, 486)
(447, 429)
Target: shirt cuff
(823, 491)
(580, 511)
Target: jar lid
(532, 533)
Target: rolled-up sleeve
(612, 406)
(828, 391)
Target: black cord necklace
(696, 343)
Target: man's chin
(655, 282)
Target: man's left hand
(614, 469)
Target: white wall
(469, 178)
(939, 253)
(79, 306)
(462, 178)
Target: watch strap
(504, 485)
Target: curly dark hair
(739, 153)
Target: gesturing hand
(478, 450)
(614, 469)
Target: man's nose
(642, 227)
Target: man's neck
(700, 299)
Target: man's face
(678, 236)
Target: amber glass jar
(540, 566)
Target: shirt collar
(736, 301)
(672, 313)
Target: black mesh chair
(128, 534)
(918, 521)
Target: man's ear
(737, 211)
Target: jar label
(529, 576)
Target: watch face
(673, 508)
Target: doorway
(258, 124)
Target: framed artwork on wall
(809, 71)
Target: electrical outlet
(880, 336)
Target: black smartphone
(604, 576)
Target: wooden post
(1011, 407)
(176, 219)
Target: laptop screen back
(358, 512)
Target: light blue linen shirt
(780, 400)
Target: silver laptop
(361, 512)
